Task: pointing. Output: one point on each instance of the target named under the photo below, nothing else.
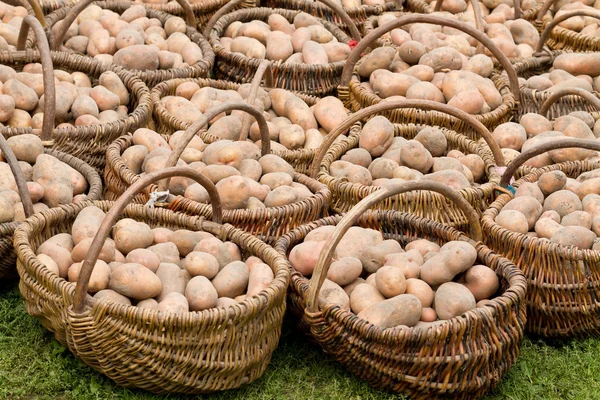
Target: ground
(34, 366)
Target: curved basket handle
(205, 119)
(545, 8)
(226, 9)
(264, 69)
(558, 20)
(111, 218)
(47, 73)
(12, 162)
(555, 96)
(430, 19)
(391, 105)
(190, 18)
(38, 12)
(354, 32)
(57, 38)
(541, 149)
(326, 255)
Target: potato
(133, 236)
(404, 309)
(171, 278)
(551, 182)
(25, 98)
(148, 304)
(379, 58)
(358, 156)
(577, 218)
(577, 236)
(49, 263)
(167, 252)
(112, 296)
(563, 202)
(7, 107)
(480, 64)
(107, 252)
(528, 206)
(99, 279)
(135, 281)
(344, 270)
(453, 299)
(376, 135)
(144, 257)
(547, 227)
(454, 257)
(364, 296)
(390, 281)
(512, 220)
(329, 112)
(332, 294)
(217, 248)
(442, 58)
(411, 51)
(174, 303)
(530, 189)
(482, 281)
(232, 280)
(138, 57)
(200, 263)
(260, 278)
(200, 294)
(421, 290)
(424, 246)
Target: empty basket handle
(47, 73)
(326, 255)
(555, 96)
(396, 104)
(544, 148)
(115, 211)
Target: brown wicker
(359, 15)
(194, 352)
(562, 280)
(424, 204)
(559, 38)
(356, 96)
(462, 358)
(203, 9)
(317, 80)
(150, 78)
(167, 123)
(423, 7)
(88, 143)
(267, 223)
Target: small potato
(345, 270)
(453, 299)
(200, 294)
(112, 296)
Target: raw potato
(404, 309)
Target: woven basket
(267, 223)
(423, 204)
(423, 7)
(559, 38)
(320, 10)
(318, 80)
(194, 352)
(167, 123)
(355, 97)
(462, 358)
(88, 143)
(150, 78)
(561, 299)
(7, 229)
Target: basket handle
(12, 162)
(545, 8)
(57, 38)
(264, 69)
(430, 19)
(226, 9)
(37, 11)
(47, 73)
(555, 96)
(543, 148)
(190, 18)
(396, 104)
(326, 255)
(354, 32)
(205, 119)
(557, 20)
(117, 208)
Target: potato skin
(453, 299)
(135, 281)
(404, 309)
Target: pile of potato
(382, 159)
(562, 210)
(131, 39)
(11, 19)
(534, 129)
(293, 125)
(243, 178)
(77, 102)
(388, 286)
(305, 41)
(159, 269)
(50, 182)
(581, 70)
(584, 25)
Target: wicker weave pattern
(317, 80)
(167, 123)
(88, 143)
(196, 352)
(150, 78)
(461, 359)
(566, 39)
(7, 252)
(268, 223)
(423, 7)
(423, 203)
(563, 283)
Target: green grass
(34, 366)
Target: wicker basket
(462, 358)
(167, 123)
(423, 7)
(194, 352)
(150, 78)
(559, 38)
(318, 80)
(356, 97)
(7, 229)
(88, 143)
(561, 298)
(424, 204)
(267, 223)
(321, 10)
